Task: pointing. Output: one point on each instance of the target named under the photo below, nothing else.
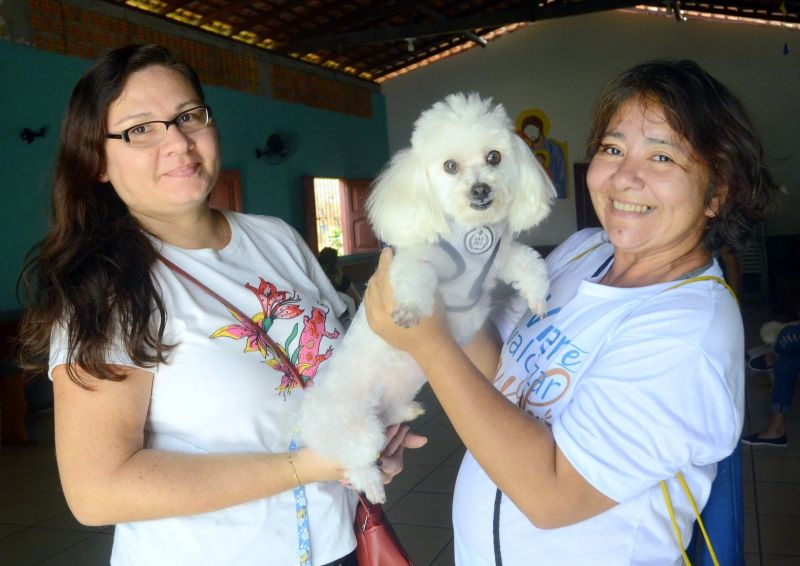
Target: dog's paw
(413, 411)
(536, 298)
(405, 316)
(538, 307)
(403, 413)
(369, 481)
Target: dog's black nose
(480, 191)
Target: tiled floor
(37, 528)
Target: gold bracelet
(294, 470)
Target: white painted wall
(559, 66)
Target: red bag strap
(267, 342)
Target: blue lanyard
(301, 512)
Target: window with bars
(328, 197)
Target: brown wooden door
(310, 213)
(227, 193)
(356, 231)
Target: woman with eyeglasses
(174, 418)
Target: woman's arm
(527, 465)
(484, 350)
(109, 477)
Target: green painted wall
(34, 89)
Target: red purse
(376, 542)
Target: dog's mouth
(482, 205)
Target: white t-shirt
(637, 384)
(218, 394)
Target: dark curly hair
(91, 273)
(705, 113)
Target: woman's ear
(535, 190)
(401, 207)
(718, 197)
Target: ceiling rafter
(368, 38)
(220, 13)
(436, 16)
(489, 20)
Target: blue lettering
(537, 384)
(532, 358)
(548, 348)
(564, 341)
(550, 384)
(571, 358)
(515, 345)
(528, 345)
(511, 346)
(547, 337)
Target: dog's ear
(535, 192)
(401, 207)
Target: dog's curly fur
(466, 168)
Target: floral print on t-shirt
(304, 354)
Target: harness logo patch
(479, 240)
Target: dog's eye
(451, 166)
(493, 157)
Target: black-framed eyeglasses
(151, 133)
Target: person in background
(329, 260)
(784, 363)
(635, 375)
(174, 419)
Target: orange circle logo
(553, 377)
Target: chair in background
(723, 517)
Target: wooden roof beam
(531, 13)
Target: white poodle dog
(450, 206)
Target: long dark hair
(91, 274)
(703, 111)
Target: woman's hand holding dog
(421, 341)
(312, 467)
(391, 459)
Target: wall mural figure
(533, 126)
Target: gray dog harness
(469, 254)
